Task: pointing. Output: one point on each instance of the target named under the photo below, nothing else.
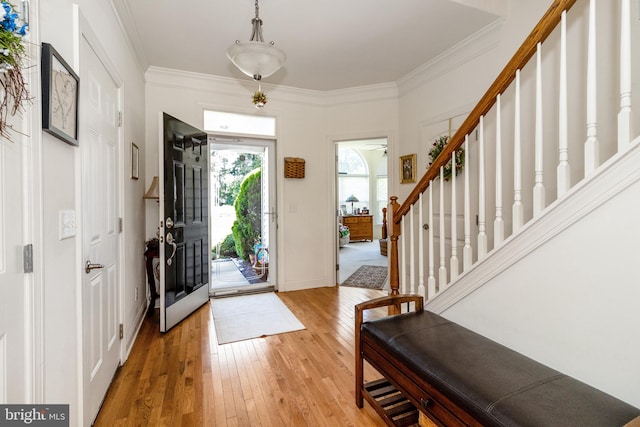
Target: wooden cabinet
(360, 227)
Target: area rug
(252, 316)
(367, 276)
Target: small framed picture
(135, 161)
(408, 169)
(60, 92)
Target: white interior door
(13, 281)
(100, 287)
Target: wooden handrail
(541, 31)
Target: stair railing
(402, 216)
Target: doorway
(243, 219)
(361, 190)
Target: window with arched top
(353, 179)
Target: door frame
(268, 143)
(86, 32)
(334, 203)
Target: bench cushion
(491, 382)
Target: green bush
(227, 248)
(246, 229)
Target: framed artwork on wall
(407, 169)
(135, 161)
(60, 94)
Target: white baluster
(412, 251)
(442, 271)
(625, 128)
(498, 223)
(538, 188)
(421, 289)
(518, 209)
(431, 280)
(454, 263)
(467, 251)
(564, 170)
(482, 233)
(591, 146)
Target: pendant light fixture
(256, 58)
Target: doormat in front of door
(252, 316)
(367, 276)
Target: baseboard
(140, 316)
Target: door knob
(171, 241)
(169, 222)
(88, 266)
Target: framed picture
(408, 169)
(60, 92)
(135, 161)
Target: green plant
(435, 151)
(247, 226)
(227, 248)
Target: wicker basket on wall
(293, 167)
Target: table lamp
(352, 199)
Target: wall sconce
(154, 191)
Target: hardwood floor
(303, 378)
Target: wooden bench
(456, 377)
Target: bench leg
(359, 374)
(359, 381)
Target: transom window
(245, 124)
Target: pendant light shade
(256, 58)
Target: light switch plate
(67, 224)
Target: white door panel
(100, 289)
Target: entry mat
(252, 316)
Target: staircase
(534, 244)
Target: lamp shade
(256, 59)
(352, 199)
(154, 190)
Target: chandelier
(256, 58)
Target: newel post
(394, 276)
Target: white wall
(308, 125)
(569, 302)
(61, 183)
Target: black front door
(184, 226)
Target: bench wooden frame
(409, 393)
(418, 392)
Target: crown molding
(130, 33)
(470, 48)
(166, 77)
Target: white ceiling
(330, 44)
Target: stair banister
(525, 52)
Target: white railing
(530, 145)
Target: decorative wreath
(435, 151)
(259, 99)
(13, 30)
